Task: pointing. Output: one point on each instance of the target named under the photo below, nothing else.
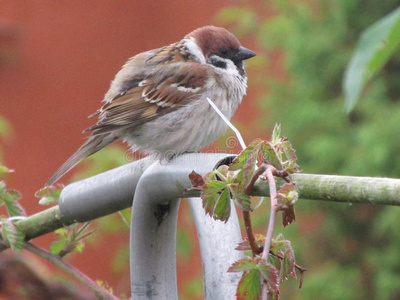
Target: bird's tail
(93, 144)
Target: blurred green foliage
(351, 251)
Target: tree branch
(59, 262)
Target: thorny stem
(261, 169)
(246, 214)
(273, 211)
(250, 234)
(59, 262)
(271, 225)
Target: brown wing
(165, 89)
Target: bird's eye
(218, 62)
(223, 52)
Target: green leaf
(247, 154)
(241, 199)
(270, 274)
(376, 46)
(57, 246)
(10, 199)
(214, 186)
(222, 209)
(216, 202)
(49, 194)
(270, 155)
(244, 264)
(249, 287)
(276, 134)
(12, 236)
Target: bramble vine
(272, 260)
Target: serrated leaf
(14, 194)
(12, 236)
(377, 44)
(245, 245)
(270, 274)
(288, 215)
(241, 199)
(287, 194)
(217, 203)
(214, 186)
(270, 155)
(276, 134)
(288, 263)
(196, 180)
(14, 208)
(247, 154)
(4, 169)
(275, 261)
(49, 194)
(222, 208)
(249, 287)
(244, 264)
(10, 199)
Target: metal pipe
(102, 194)
(153, 232)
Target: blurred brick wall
(57, 59)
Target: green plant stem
(59, 262)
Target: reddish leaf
(245, 245)
(249, 287)
(270, 274)
(288, 263)
(288, 215)
(286, 197)
(196, 179)
(244, 264)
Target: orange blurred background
(57, 59)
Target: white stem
(238, 135)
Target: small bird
(157, 102)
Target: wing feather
(166, 88)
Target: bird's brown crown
(212, 39)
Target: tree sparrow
(157, 101)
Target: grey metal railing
(156, 189)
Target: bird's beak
(244, 54)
